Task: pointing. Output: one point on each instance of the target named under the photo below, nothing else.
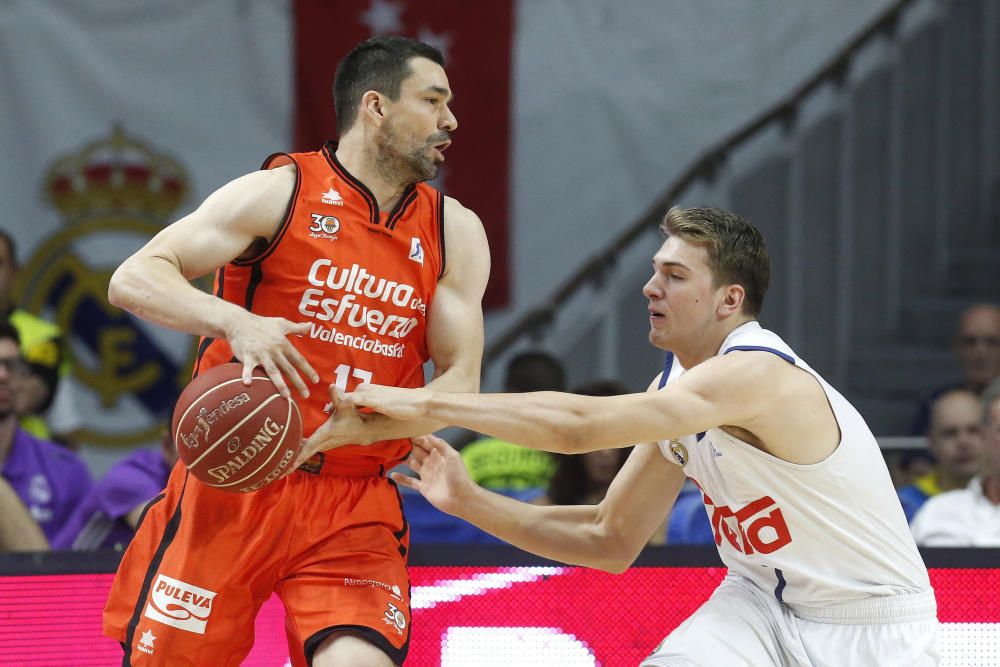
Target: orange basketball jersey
(363, 279)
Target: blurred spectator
(583, 479)
(955, 440)
(977, 346)
(497, 464)
(968, 517)
(47, 480)
(42, 346)
(108, 516)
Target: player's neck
(359, 161)
(706, 345)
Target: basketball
(235, 437)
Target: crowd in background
(948, 489)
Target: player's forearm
(379, 427)
(18, 531)
(548, 421)
(153, 289)
(568, 534)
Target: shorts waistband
(874, 610)
(324, 465)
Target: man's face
(12, 369)
(683, 299)
(956, 433)
(979, 345)
(418, 125)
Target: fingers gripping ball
(235, 437)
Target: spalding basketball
(232, 436)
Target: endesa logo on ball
(180, 604)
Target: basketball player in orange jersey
(333, 268)
(823, 570)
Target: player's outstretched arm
(153, 283)
(722, 390)
(454, 340)
(608, 536)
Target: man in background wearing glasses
(40, 482)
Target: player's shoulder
(463, 229)
(455, 211)
(262, 184)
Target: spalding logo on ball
(235, 437)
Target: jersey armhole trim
(441, 239)
(668, 365)
(286, 220)
(761, 348)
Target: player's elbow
(615, 566)
(565, 439)
(119, 286)
(617, 551)
(573, 434)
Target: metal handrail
(703, 167)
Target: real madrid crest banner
(118, 118)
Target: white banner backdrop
(145, 107)
(117, 118)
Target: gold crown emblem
(114, 175)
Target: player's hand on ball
(444, 481)
(393, 402)
(263, 341)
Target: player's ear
(732, 299)
(373, 106)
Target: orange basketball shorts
(331, 545)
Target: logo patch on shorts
(180, 604)
(146, 642)
(395, 618)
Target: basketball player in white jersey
(822, 567)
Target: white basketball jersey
(818, 535)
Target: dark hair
(570, 484)
(11, 245)
(381, 64)
(534, 371)
(8, 330)
(736, 251)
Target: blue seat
(429, 525)
(688, 523)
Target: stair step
(902, 371)
(886, 417)
(975, 270)
(932, 320)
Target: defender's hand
(344, 426)
(393, 402)
(444, 481)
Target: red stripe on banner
(476, 39)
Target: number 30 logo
(324, 223)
